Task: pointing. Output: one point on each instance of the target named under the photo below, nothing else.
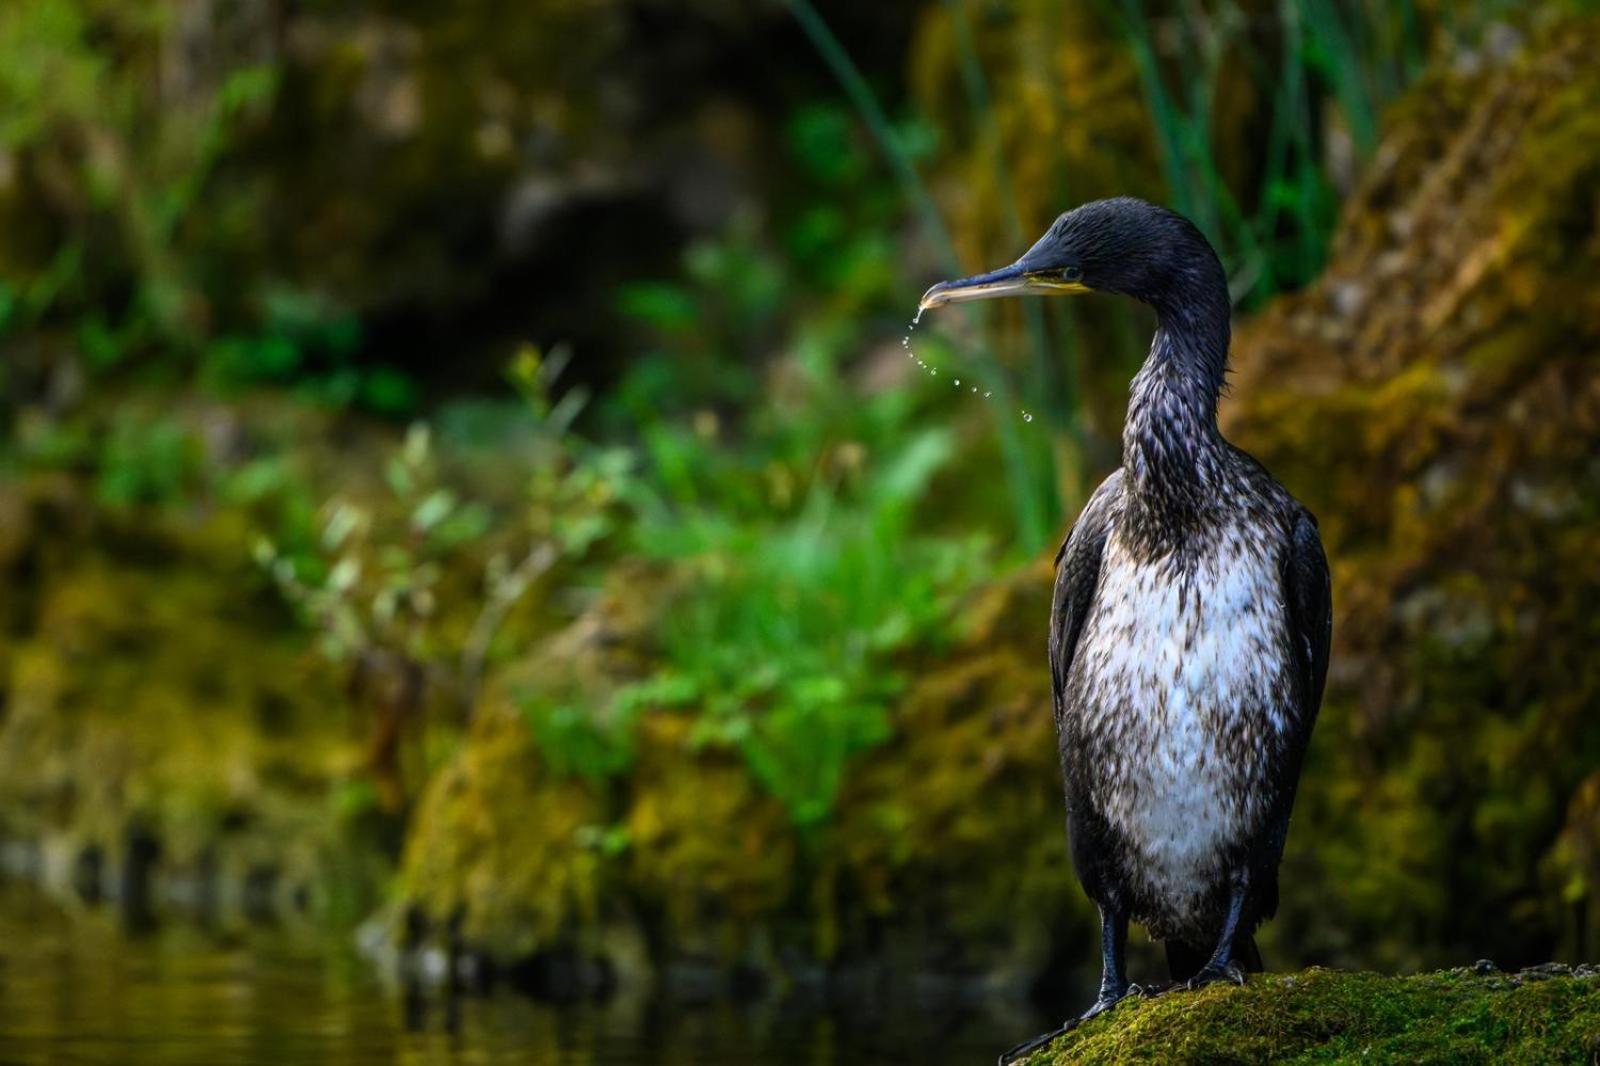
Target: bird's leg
(1113, 962)
(1221, 966)
(1113, 982)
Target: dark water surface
(78, 987)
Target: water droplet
(933, 371)
(958, 383)
(987, 395)
(974, 388)
(1026, 417)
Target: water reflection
(80, 987)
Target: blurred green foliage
(372, 580)
(155, 220)
(146, 461)
(786, 642)
(819, 272)
(577, 739)
(130, 167)
(802, 576)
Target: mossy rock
(1332, 1016)
(158, 697)
(913, 875)
(495, 853)
(150, 700)
(950, 838)
(1435, 400)
(707, 851)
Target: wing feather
(1308, 592)
(1077, 577)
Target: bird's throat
(1172, 450)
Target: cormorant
(1190, 625)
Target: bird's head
(1123, 245)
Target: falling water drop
(905, 342)
(1026, 417)
(933, 371)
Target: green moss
(1330, 1016)
(155, 688)
(144, 691)
(498, 846)
(708, 849)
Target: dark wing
(1308, 595)
(1077, 576)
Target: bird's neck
(1172, 450)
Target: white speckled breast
(1179, 689)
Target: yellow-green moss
(147, 703)
(705, 845)
(497, 848)
(1329, 1016)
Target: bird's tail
(1185, 960)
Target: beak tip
(1007, 281)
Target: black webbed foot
(1234, 942)
(1104, 1002)
(1212, 973)
(1028, 1047)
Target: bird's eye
(1072, 273)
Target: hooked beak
(1013, 280)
